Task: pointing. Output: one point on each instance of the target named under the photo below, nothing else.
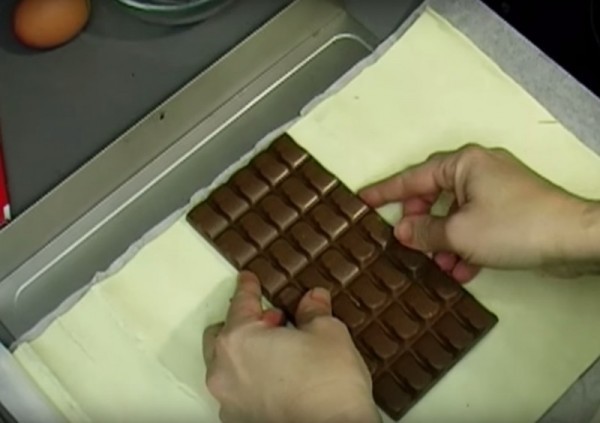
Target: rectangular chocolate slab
(296, 226)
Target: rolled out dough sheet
(133, 344)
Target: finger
(274, 317)
(563, 271)
(416, 206)
(446, 261)
(425, 233)
(428, 178)
(464, 272)
(315, 303)
(208, 342)
(245, 304)
(227, 415)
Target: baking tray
(82, 226)
(151, 170)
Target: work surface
(546, 330)
(91, 90)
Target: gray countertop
(59, 108)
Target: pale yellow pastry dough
(108, 376)
(50, 385)
(133, 344)
(435, 91)
(183, 284)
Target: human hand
(504, 215)
(262, 372)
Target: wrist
(580, 243)
(357, 413)
(592, 246)
(340, 406)
(366, 413)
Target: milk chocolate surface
(296, 226)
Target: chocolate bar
(296, 226)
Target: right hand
(504, 215)
(262, 372)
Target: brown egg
(49, 23)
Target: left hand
(262, 372)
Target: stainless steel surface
(75, 119)
(181, 146)
(153, 134)
(173, 12)
(61, 108)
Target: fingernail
(365, 195)
(245, 276)
(404, 232)
(320, 294)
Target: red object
(4, 205)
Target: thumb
(425, 233)
(208, 345)
(315, 303)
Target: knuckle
(225, 416)
(223, 344)
(435, 155)
(453, 227)
(474, 152)
(502, 152)
(337, 325)
(329, 324)
(458, 234)
(309, 307)
(339, 328)
(214, 385)
(422, 232)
